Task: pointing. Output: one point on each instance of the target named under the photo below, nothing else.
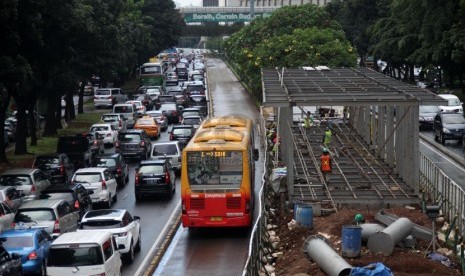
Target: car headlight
(445, 130)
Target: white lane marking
(168, 253)
(157, 241)
(443, 156)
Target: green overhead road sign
(221, 17)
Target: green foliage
(292, 36)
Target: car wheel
(43, 270)
(126, 178)
(138, 197)
(441, 138)
(436, 138)
(139, 243)
(115, 197)
(130, 254)
(109, 201)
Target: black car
(73, 193)
(182, 133)
(170, 111)
(58, 166)
(179, 95)
(96, 144)
(134, 143)
(77, 148)
(115, 162)
(10, 264)
(200, 102)
(154, 177)
(448, 126)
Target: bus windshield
(214, 168)
(150, 69)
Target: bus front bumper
(220, 221)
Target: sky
(187, 3)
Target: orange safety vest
(325, 163)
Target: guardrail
(440, 189)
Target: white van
(168, 150)
(88, 252)
(453, 104)
(129, 112)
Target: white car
(454, 104)
(115, 119)
(124, 227)
(99, 180)
(141, 109)
(153, 93)
(108, 131)
(7, 216)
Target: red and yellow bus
(217, 177)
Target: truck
(77, 148)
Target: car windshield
(136, 103)
(429, 109)
(75, 256)
(47, 161)
(182, 131)
(123, 109)
(88, 177)
(103, 92)
(169, 149)
(101, 224)
(151, 169)
(128, 138)
(153, 91)
(190, 113)
(99, 128)
(32, 215)
(17, 242)
(15, 180)
(454, 119)
(453, 102)
(191, 121)
(106, 162)
(68, 196)
(198, 99)
(110, 118)
(145, 122)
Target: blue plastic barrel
(304, 215)
(351, 241)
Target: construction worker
(326, 164)
(308, 121)
(327, 137)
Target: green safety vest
(327, 139)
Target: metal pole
(252, 7)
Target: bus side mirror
(255, 154)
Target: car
(96, 144)
(154, 177)
(170, 111)
(140, 108)
(58, 166)
(145, 99)
(163, 99)
(116, 163)
(30, 182)
(168, 150)
(158, 116)
(78, 148)
(129, 111)
(182, 133)
(32, 244)
(195, 87)
(116, 119)
(56, 216)
(125, 228)
(448, 126)
(11, 197)
(101, 181)
(200, 102)
(108, 97)
(74, 193)
(182, 72)
(108, 131)
(427, 114)
(134, 143)
(87, 252)
(150, 125)
(454, 104)
(179, 96)
(10, 264)
(7, 216)
(10, 130)
(190, 111)
(153, 93)
(171, 78)
(194, 120)
(88, 88)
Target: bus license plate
(216, 218)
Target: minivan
(107, 97)
(453, 104)
(129, 111)
(168, 150)
(101, 181)
(86, 252)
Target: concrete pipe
(369, 229)
(384, 241)
(325, 257)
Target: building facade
(273, 3)
(210, 3)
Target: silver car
(28, 181)
(11, 197)
(108, 97)
(115, 119)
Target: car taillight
(171, 136)
(95, 142)
(117, 144)
(33, 188)
(104, 185)
(175, 113)
(183, 208)
(120, 124)
(32, 256)
(247, 206)
(136, 180)
(142, 144)
(56, 227)
(77, 205)
(62, 169)
(13, 225)
(167, 178)
(110, 97)
(119, 170)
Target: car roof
(19, 171)
(192, 117)
(83, 236)
(97, 125)
(448, 96)
(153, 162)
(104, 214)
(40, 203)
(62, 187)
(108, 155)
(111, 114)
(91, 169)
(166, 143)
(182, 126)
(20, 232)
(132, 131)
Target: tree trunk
(21, 130)
(50, 128)
(69, 108)
(81, 97)
(33, 118)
